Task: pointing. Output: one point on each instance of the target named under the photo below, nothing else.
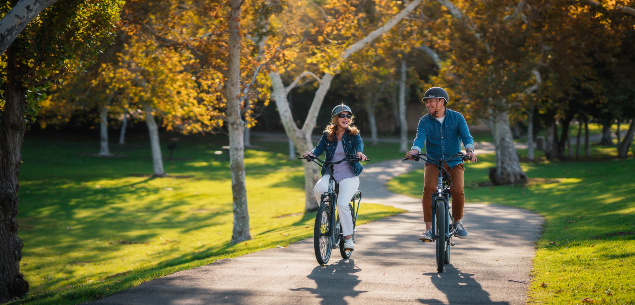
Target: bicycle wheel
(441, 235)
(346, 254)
(321, 242)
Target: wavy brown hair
(351, 130)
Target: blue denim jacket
(351, 145)
(443, 140)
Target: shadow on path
(334, 282)
(459, 288)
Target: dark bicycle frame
(331, 190)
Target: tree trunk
(622, 150)
(617, 133)
(530, 134)
(370, 108)
(403, 144)
(18, 18)
(247, 137)
(569, 148)
(577, 148)
(606, 134)
(124, 125)
(564, 136)
(12, 282)
(395, 111)
(299, 137)
(549, 136)
(507, 164)
(153, 130)
(587, 145)
(291, 150)
(236, 128)
(103, 131)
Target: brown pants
(430, 187)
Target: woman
(339, 140)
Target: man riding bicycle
(442, 130)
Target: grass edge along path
(101, 289)
(586, 252)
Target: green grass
(585, 203)
(93, 226)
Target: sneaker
(426, 235)
(349, 245)
(460, 230)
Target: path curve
(389, 264)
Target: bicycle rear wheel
(321, 242)
(441, 235)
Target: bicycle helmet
(340, 108)
(437, 92)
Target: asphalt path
(389, 264)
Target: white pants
(347, 191)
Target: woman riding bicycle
(339, 140)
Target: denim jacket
(351, 145)
(443, 140)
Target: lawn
(587, 250)
(92, 225)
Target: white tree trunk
(622, 150)
(508, 170)
(103, 131)
(549, 138)
(370, 108)
(18, 18)
(236, 128)
(299, 137)
(291, 150)
(403, 144)
(530, 134)
(153, 130)
(124, 125)
(247, 137)
(578, 142)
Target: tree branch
(519, 9)
(298, 78)
(431, 53)
(323, 12)
(535, 87)
(380, 31)
(18, 18)
(618, 8)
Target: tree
(66, 37)
(329, 57)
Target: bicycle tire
(441, 235)
(346, 254)
(447, 252)
(322, 244)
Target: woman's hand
(361, 156)
(307, 153)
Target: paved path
(389, 264)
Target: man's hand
(307, 153)
(361, 156)
(412, 153)
(472, 156)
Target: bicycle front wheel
(322, 242)
(441, 235)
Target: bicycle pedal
(426, 241)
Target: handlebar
(310, 158)
(427, 158)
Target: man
(442, 130)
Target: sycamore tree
(64, 39)
(318, 39)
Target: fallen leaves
(588, 301)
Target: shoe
(426, 235)
(349, 245)
(460, 230)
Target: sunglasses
(343, 115)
